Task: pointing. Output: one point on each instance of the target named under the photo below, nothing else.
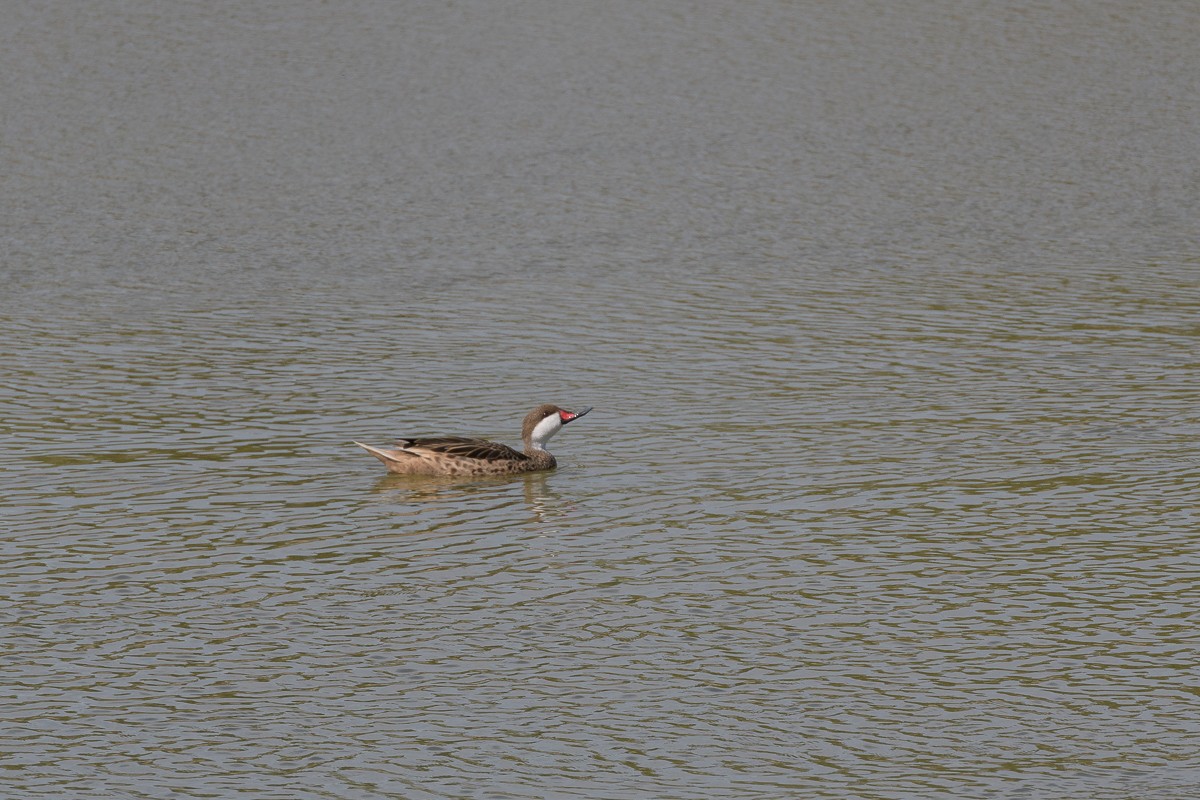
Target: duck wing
(464, 447)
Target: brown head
(545, 421)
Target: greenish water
(889, 317)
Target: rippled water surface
(890, 316)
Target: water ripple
(890, 487)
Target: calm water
(890, 314)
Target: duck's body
(458, 455)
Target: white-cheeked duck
(460, 455)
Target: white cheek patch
(546, 428)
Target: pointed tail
(388, 456)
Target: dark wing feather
(463, 447)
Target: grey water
(889, 313)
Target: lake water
(889, 313)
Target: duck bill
(568, 416)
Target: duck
(465, 456)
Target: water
(889, 316)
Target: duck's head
(545, 421)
